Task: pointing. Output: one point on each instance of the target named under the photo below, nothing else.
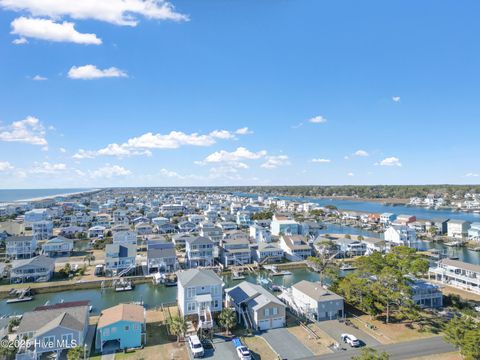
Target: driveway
(220, 349)
(334, 328)
(285, 344)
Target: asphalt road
(400, 351)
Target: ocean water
(10, 195)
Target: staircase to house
(205, 319)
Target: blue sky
(227, 92)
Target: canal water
(377, 207)
(151, 295)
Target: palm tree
(76, 353)
(177, 326)
(227, 319)
(89, 258)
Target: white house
(58, 246)
(42, 230)
(458, 229)
(20, 247)
(199, 294)
(259, 234)
(125, 237)
(284, 225)
(401, 235)
(119, 257)
(295, 246)
(314, 301)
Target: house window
(127, 328)
(215, 304)
(67, 340)
(114, 329)
(106, 332)
(266, 312)
(274, 311)
(190, 306)
(136, 327)
(49, 342)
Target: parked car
(195, 346)
(350, 340)
(242, 351)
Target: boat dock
(275, 272)
(22, 295)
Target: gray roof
(316, 291)
(254, 295)
(157, 253)
(19, 238)
(46, 320)
(198, 277)
(199, 240)
(460, 265)
(40, 261)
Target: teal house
(121, 327)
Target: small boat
(90, 308)
(237, 276)
(18, 300)
(124, 286)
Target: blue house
(121, 327)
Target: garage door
(276, 323)
(264, 324)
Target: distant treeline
(363, 191)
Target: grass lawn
(259, 347)
(446, 356)
(397, 332)
(317, 346)
(159, 346)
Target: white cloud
(276, 161)
(472, 175)
(346, 157)
(318, 120)
(361, 153)
(20, 41)
(350, 174)
(39, 78)
(45, 29)
(321, 161)
(118, 12)
(120, 151)
(29, 130)
(396, 99)
(90, 72)
(143, 144)
(84, 154)
(243, 131)
(62, 150)
(47, 168)
(391, 161)
(109, 172)
(171, 174)
(239, 154)
(5, 165)
(222, 134)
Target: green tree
(227, 319)
(470, 349)
(177, 326)
(456, 329)
(371, 354)
(76, 353)
(89, 258)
